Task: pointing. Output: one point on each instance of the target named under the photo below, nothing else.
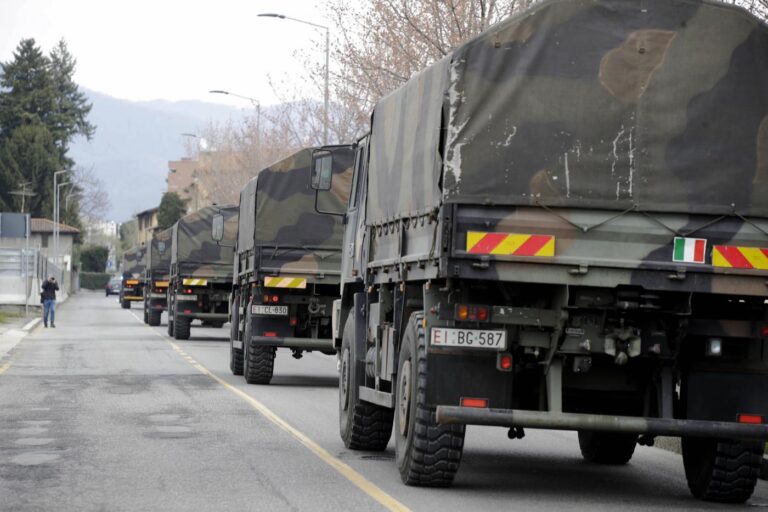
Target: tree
(384, 42)
(93, 258)
(41, 111)
(129, 232)
(172, 208)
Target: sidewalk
(14, 330)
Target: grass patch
(6, 316)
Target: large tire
(607, 447)
(125, 304)
(181, 327)
(154, 317)
(235, 354)
(146, 314)
(363, 426)
(722, 470)
(259, 361)
(427, 454)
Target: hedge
(94, 280)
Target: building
(42, 239)
(146, 223)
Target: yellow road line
(345, 470)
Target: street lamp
(327, 62)
(56, 213)
(256, 104)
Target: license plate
(186, 297)
(468, 338)
(270, 310)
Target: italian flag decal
(689, 250)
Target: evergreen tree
(28, 92)
(71, 108)
(41, 110)
(172, 208)
(30, 147)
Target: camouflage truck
(201, 270)
(563, 224)
(156, 276)
(287, 263)
(132, 267)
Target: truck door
(354, 231)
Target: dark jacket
(49, 290)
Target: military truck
(132, 267)
(287, 264)
(563, 224)
(156, 276)
(201, 270)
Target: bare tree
(93, 199)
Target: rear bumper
(596, 422)
(133, 298)
(204, 316)
(292, 342)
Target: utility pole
(23, 193)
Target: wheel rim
(404, 397)
(344, 380)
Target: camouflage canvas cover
(134, 261)
(281, 215)
(659, 105)
(195, 252)
(159, 254)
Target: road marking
(357, 479)
(5, 367)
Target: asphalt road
(105, 413)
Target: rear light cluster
(764, 331)
(465, 312)
(751, 419)
(480, 403)
(188, 291)
(274, 299)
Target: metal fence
(22, 271)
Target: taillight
(504, 362)
(275, 298)
(270, 298)
(188, 291)
(464, 312)
(480, 403)
(764, 331)
(751, 419)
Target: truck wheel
(722, 470)
(427, 454)
(607, 447)
(154, 318)
(181, 327)
(170, 323)
(125, 304)
(235, 354)
(363, 426)
(146, 314)
(259, 361)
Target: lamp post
(327, 62)
(23, 193)
(56, 213)
(256, 104)
(58, 217)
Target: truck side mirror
(217, 227)
(322, 170)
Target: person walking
(50, 287)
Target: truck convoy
(132, 267)
(287, 264)
(200, 277)
(156, 276)
(563, 224)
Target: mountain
(134, 142)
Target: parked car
(113, 287)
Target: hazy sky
(170, 49)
